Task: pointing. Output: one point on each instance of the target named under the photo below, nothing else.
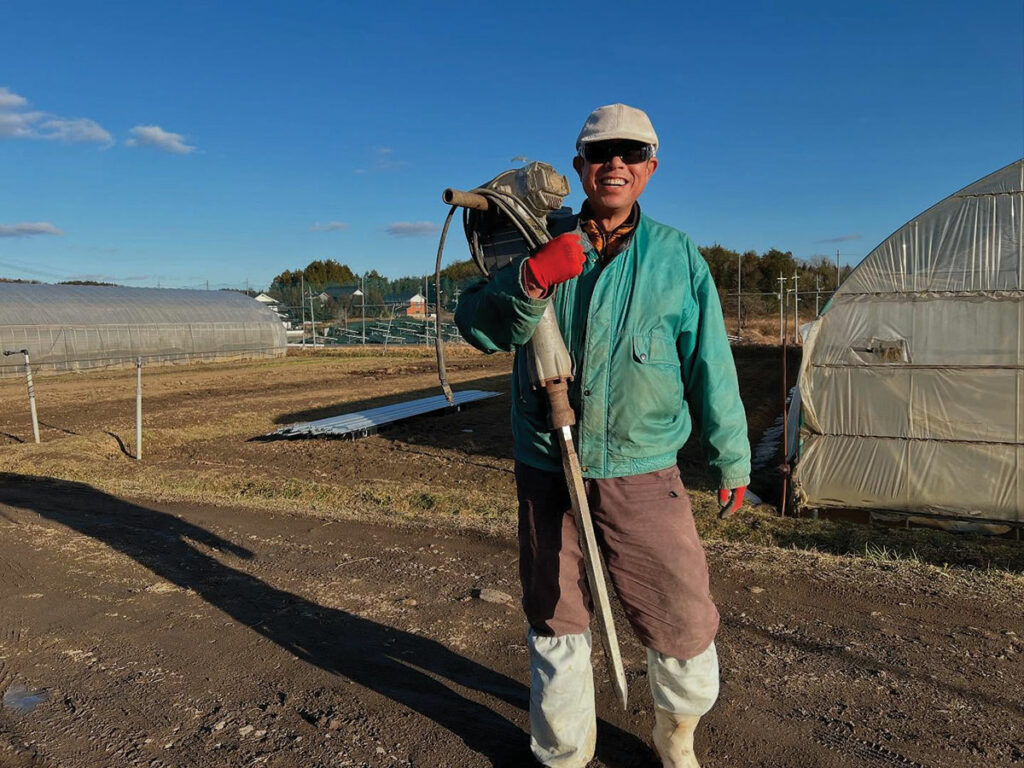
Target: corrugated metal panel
(363, 423)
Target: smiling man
(641, 319)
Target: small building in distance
(417, 306)
(78, 327)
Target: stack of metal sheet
(362, 423)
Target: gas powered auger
(505, 219)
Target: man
(641, 319)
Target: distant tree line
(338, 282)
(760, 273)
(62, 282)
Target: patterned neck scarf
(608, 244)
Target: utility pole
(782, 309)
(312, 316)
(796, 308)
(739, 294)
(302, 305)
(817, 293)
(839, 270)
(363, 310)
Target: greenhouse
(78, 327)
(912, 381)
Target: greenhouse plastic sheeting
(73, 327)
(912, 380)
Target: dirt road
(168, 635)
(220, 629)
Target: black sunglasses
(631, 152)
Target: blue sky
(179, 143)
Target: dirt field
(230, 601)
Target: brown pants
(646, 533)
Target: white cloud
(520, 159)
(10, 100)
(330, 226)
(95, 277)
(412, 228)
(840, 239)
(76, 130)
(18, 123)
(382, 159)
(155, 136)
(28, 229)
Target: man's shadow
(407, 668)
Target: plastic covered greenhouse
(912, 380)
(77, 327)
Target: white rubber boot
(563, 722)
(673, 738)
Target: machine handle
(465, 199)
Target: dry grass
(196, 451)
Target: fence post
(138, 409)
(31, 391)
(31, 397)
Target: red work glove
(730, 500)
(559, 260)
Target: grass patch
(877, 543)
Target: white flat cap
(618, 121)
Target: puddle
(768, 446)
(21, 699)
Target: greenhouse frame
(80, 327)
(911, 390)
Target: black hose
(530, 227)
(442, 373)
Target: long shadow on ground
(389, 661)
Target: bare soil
(230, 601)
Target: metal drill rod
(595, 567)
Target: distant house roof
(263, 298)
(341, 291)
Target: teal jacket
(647, 339)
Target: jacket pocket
(655, 350)
(646, 398)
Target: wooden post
(31, 391)
(138, 409)
(31, 397)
